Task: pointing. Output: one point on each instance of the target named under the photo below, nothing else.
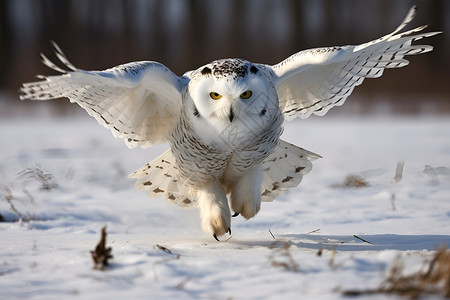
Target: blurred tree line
(184, 34)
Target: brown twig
(167, 250)
(316, 230)
(362, 239)
(399, 171)
(272, 234)
(101, 254)
(333, 254)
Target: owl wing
(161, 178)
(284, 169)
(139, 102)
(313, 81)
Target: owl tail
(161, 179)
(284, 169)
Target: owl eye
(246, 94)
(215, 96)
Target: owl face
(231, 95)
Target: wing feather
(139, 102)
(284, 169)
(161, 178)
(313, 81)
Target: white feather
(313, 81)
(161, 178)
(284, 169)
(139, 102)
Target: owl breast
(237, 147)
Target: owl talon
(215, 236)
(229, 231)
(235, 215)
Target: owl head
(231, 94)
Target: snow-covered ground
(46, 255)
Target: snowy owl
(223, 121)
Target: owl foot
(214, 210)
(216, 220)
(215, 236)
(246, 193)
(248, 207)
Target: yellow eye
(246, 94)
(215, 96)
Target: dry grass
(174, 256)
(46, 179)
(435, 280)
(282, 257)
(399, 171)
(167, 250)
(352, 181)
(16, 200)
(7, 195)
(397, 178)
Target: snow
(45, 254)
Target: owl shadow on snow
(376, 242)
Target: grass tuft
(435, 280)
(7, 195)
(46, 179)
(282, 257)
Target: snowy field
(327, 237)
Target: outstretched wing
(139, 102)
(313, 81)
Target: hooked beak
(231, 115)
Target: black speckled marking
(230, 68)
(234, 67)
(196, 113)
(298, 169)
(158, 190)
(206, 70)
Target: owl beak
(231, 115)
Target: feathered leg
(214, 209)
(246, 193)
